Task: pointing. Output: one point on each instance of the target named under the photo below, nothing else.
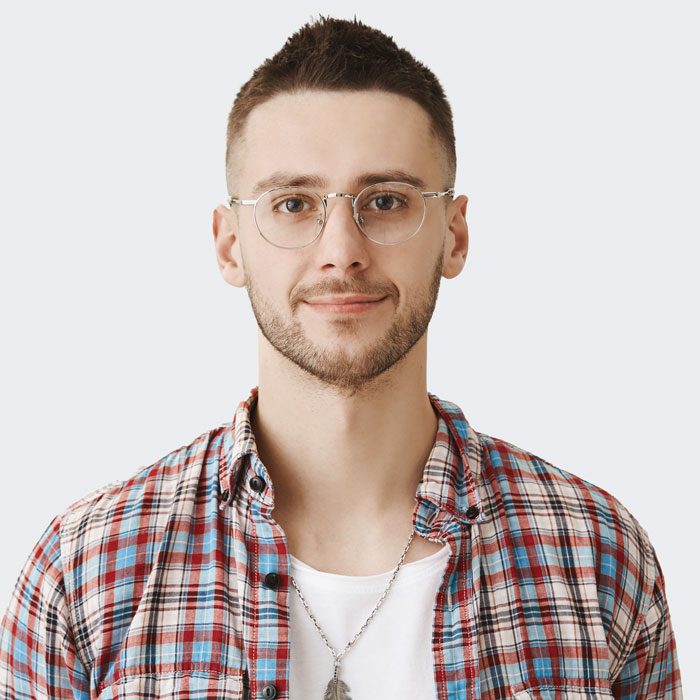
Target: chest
(393, 654)
(210, 613)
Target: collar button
(257, 484)
(472, 512)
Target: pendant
(337, 689)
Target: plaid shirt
(156, 587)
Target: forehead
(335, 136)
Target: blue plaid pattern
(153, 587)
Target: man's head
(344, 308)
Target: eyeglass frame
(254, 203)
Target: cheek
(414, 267)
(273, 273)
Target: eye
(293, 205)
(386, 201)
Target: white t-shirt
(394, 656)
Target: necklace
(337, 689)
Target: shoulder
(527, 485)
(161, 477)
(143, 502)
(569, 528)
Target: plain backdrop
(573, 331)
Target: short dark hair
(338, 54)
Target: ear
(456, 238)
(228, 247)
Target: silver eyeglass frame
(356, 215)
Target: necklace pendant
(337, 689)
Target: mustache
(336, 286)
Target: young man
(347, 535)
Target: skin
(343, 421)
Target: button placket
(273, 590)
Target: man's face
(344, 309)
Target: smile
(355, 304)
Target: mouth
(350, 304)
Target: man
(347, 535)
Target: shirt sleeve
(38, 655)
(651, 670)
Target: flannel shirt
(155, 587)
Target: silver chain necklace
(337, 689)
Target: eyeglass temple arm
(243, 202)
(449, 193)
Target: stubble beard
(337, 367)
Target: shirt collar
(453, 466)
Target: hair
(338, 54)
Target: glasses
(388, 213)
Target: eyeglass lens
(387, 213)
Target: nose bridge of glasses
(334, 195)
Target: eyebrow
(311, 181)
(281, 179)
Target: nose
(342, 245)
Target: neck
(338, 458)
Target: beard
(336, 366)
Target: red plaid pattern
(154, 587)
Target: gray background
(572, 331)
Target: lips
(342, 300)
(348, 304)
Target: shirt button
(258, 485)
(272, 580)
(269, 692)
(472, 512)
